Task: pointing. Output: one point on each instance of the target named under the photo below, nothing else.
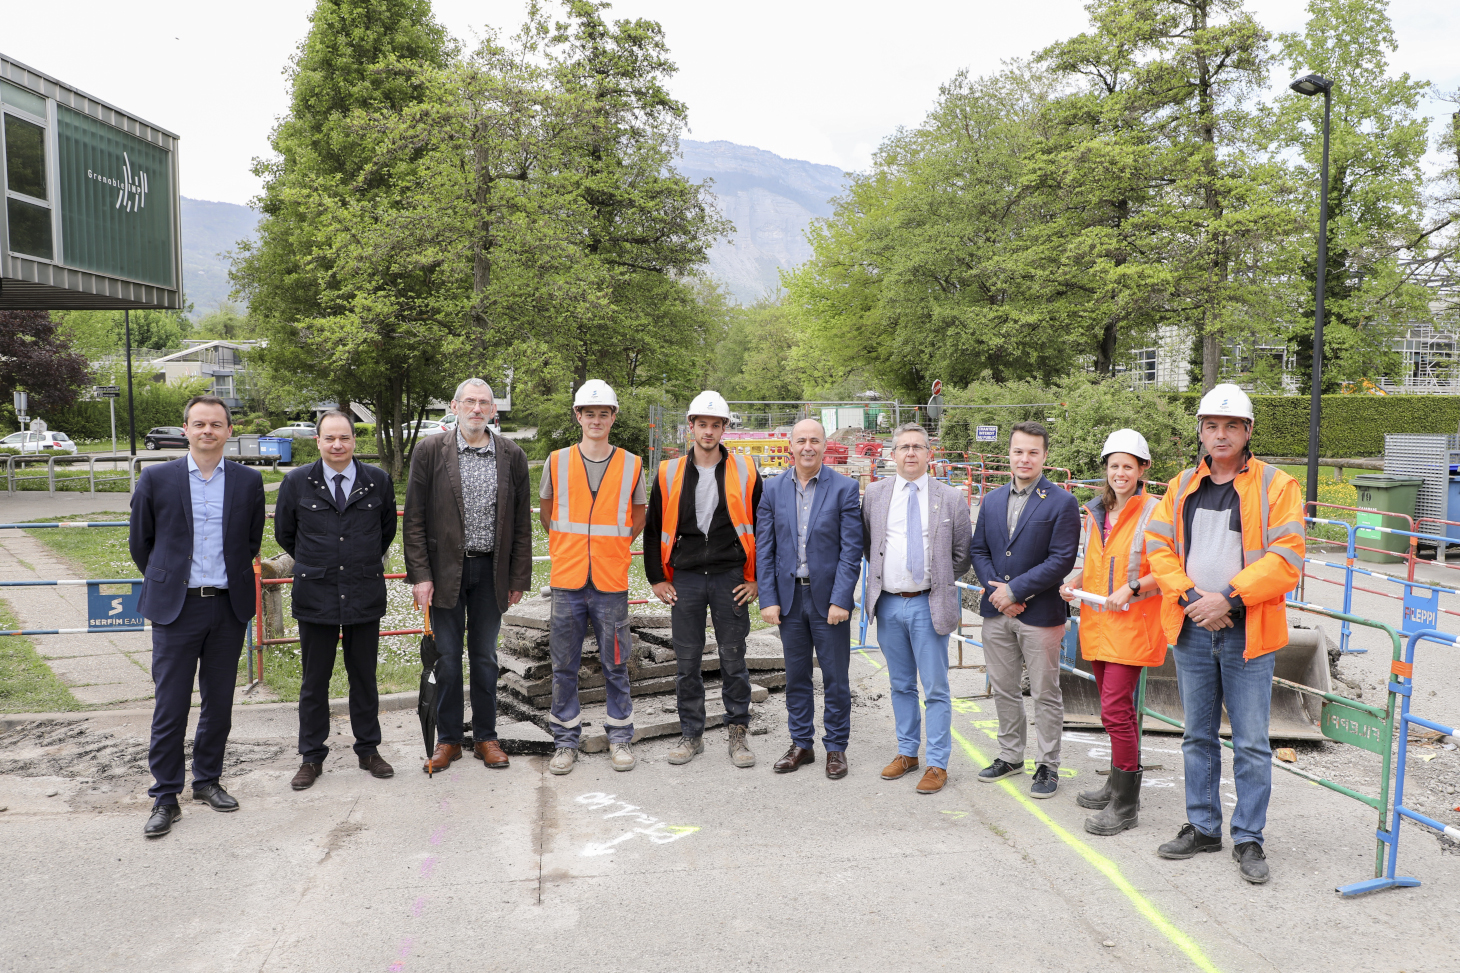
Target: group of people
(1204, 568)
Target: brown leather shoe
(795, 757)
(836, 764)
(900, 765)
(490, 752)
(442, 758)
(933, 781)
(377, 766)
(307, 774)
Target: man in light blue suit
(808, 551)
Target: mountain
(770, 200)
(211, 230)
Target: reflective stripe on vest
(1138, 540)
(738, 505)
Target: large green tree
(1375, 188)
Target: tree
(227, 323)
(751, 360)
(338, 330)
(1375, 184)
(37, 360)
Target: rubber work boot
(685, 750)
(563, 760)
(1123, 811)
(1097, 799)
(740, 754)
(622, 757)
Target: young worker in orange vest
(1125, 635)
(702, 510)
(593, 507)
(1226, 546)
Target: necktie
(914, 535)
(339, 491)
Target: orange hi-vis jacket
(1272, 543)
(739, 490)
(1133, 637)
(589, 536)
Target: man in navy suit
(1023, 546)
(808, 553)
(196, 527)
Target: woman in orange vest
(1125, 635)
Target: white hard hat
(1225, 400)
(595, 391)
(1126, 441)
(709, 404)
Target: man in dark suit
(196, 527)
(336, 518)
(1023, 546)
(467, 534)
(808, 552)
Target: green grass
(27, 684)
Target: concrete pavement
(676, 868)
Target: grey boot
(1124, 809)
(1098, 798)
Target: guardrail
(1403, 685)
(106, 611)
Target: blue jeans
(477, 620)
(912, 649)
(802, 632)
(1210, 670)
(574, 609)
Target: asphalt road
(701, 867)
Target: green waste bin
(1393, 495)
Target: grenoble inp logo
(131, 187)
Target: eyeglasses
(473, 403)
(910, 448)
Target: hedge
(1353, 426)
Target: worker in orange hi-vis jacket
(1226, 547)
(593, 506)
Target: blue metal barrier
(105, 611)
(1403, 685)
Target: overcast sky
(807, 79)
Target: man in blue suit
(196, 526)
(1023, 547)
(808, 553)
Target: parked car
(448, 422)
(311, 427)
(165, 437)
(40, 442)
(293, 432)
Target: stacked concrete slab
(524, 688)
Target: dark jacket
(339, 578)
(161, 537)
(833, 542)
(1035, 561)
(434, 526)
(716, 553)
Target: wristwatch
(1135, 587)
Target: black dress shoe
(215, 797)
(160, 823)
(795, 757)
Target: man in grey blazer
(916, 534)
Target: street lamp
(1309, 86)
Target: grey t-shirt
(707, 497)
(1213, 516)
(595, 470)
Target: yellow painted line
(1101, 864)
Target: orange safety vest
(589, 536)
(739, 490)
(1272, 550)
(1133, 637)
